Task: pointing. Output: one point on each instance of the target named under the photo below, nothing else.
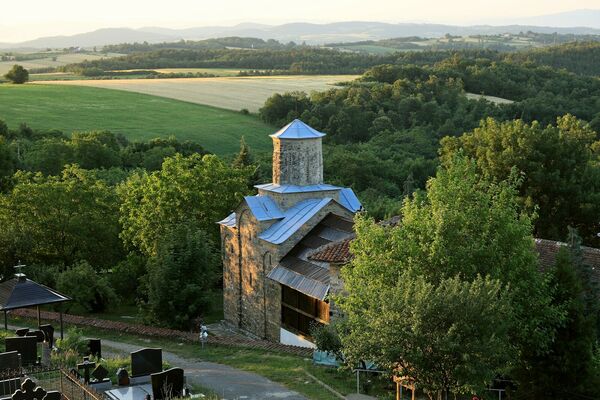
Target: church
(272, 287)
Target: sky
(21, 21)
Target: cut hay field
(138, 116)
(233, 93)
(61, 59)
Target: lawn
(233, 93)
(137, 116)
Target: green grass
(137, 116)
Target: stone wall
(297, 161)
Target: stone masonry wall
(297, 161)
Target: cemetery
(35, 365)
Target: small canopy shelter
(20, 292)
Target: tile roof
(21, 292)
(339, 253)
(297, 271)
(297, 130)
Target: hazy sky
(27, 20)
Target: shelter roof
(297, 130)
(21, 292)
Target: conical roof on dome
(297, 130)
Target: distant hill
(586, 22)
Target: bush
(87, 288)
(74, 342)
(327, 339)
(17, 74)
(126, 275)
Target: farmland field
(233, 93)
(137, 116)
(61, 59)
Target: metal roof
(229, 221)
(21, 292)
(273, 187)
(297, 271)
(263, 208)
(297, 130)
(295, 218)
(349, 200)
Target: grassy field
(61, 59)
(233, 93)
(138, 116)
(213, 71)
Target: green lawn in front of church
(139, 117)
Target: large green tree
(59, 220)
(17, 74)
(560, 166)
(194, 188)
(463, 226)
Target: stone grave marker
(48, 331)
(10, 361)
(26, 346)
(95, 347)
(30, 391)
(167, 384)
(86, 366)
(100, 382)
(22, 331)
(39, 335)
(146, 362)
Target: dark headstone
(22, 331)
(39, 335)
(10, 361)
(9, 386)
(48, 331)
(146, 362)
(29, 391)
(100, 373)
(167, 384)
(86, 366)
(122, 377)
(26, 346)
(53, 395)
(95, 348)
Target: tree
(194, 188)
(59, 220)
(86, 287)
(561, 171)
(449, 337)
(17, 74)
(182, 276)
(463, 226)
(7, 162)
(243, 158)
(567, 367)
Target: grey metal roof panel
(295, 218)
(22, 292)
(349, 200)
(229, 221)
(301, 283)
(263, 208)
(272, 187)
(297, 130)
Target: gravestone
(167, 384)
(86, 366)
(100, 382)
(48, 331)
(26, 346)
(9, 386)
(146, 362)
(122, 377)
(22, 331)
(95, 348)
(30, 391)
(10, 361)
(39, 335)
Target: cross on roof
(18, 268)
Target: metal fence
(55, 380)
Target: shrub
(87, 288)
(17, 74)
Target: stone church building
(272, 289)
